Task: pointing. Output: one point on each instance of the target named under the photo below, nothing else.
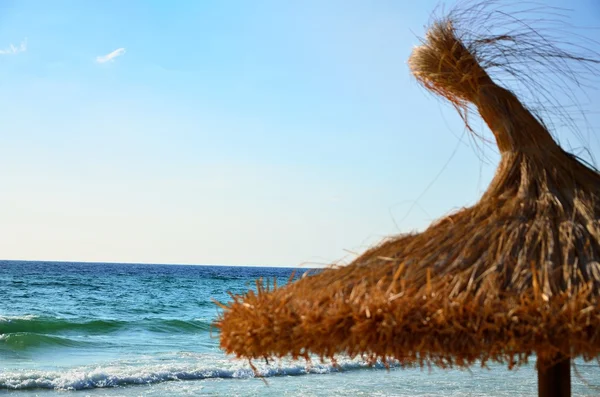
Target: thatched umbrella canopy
(516, 274)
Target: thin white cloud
(110, 56)
(13, 49)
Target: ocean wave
(173, 325)
(124, 375)
(30, 323)
(50, 325)
(26, 340)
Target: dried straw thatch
(515, 274)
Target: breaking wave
(124, 374)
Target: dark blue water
(124, 329)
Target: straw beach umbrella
(516, 274)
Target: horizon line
(156, 264)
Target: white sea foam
(13, 318)
(135, 373)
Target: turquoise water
(145, 330)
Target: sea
(108, 329)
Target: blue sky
(208, 132)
